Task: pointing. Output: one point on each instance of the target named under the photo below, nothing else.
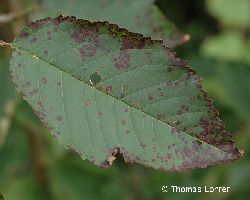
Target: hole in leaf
(95, 78)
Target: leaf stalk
(5, 44)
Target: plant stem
(5, 44)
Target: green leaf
(70, 180)
(140, 16)
(101, 90)
(229, 45)
(7, 103)
(24, 188)
(230, 12)
(232, 90)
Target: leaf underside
(102, 90)
(140, 16)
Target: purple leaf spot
(169, 83)
(44, 80)
(28, 83)
(150, 97)
(24, 35)
(34, 39)
(87, 102)
(100, 113)
(184, 107)
(123, 122)
(87, 50)
(59, 118)
(122, 60)
(108, 89)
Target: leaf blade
(112, 113)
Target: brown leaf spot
(150, 97)
(80, 35)
(161, 116)
(169, 83)
(59, 118)
(111, 157)
(179, 112)
(186, 151)
(87, 102)
(49, 33)
(45, 52)
(34, 92)
(123, 122)
(177, 83)
(132, 44)
(169, 156)
(173, 60)
(109, 89)
(122, 60)
(34, 39)
(100, 113)
(28, 83)
(40, 103)
(44, 80)
(24, 35)
(87, 50)
(56, 24)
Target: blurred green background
(33, 166)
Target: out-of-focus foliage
(6, 99)
(1, 196)
(229, 45)
(227, 85)
(230, 12)
(140, 16)
(233, 43)
(65, 175)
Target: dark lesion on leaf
(95, 78)
(118, 153)
(111, 157)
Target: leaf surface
(140, 16)
(102, 90)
